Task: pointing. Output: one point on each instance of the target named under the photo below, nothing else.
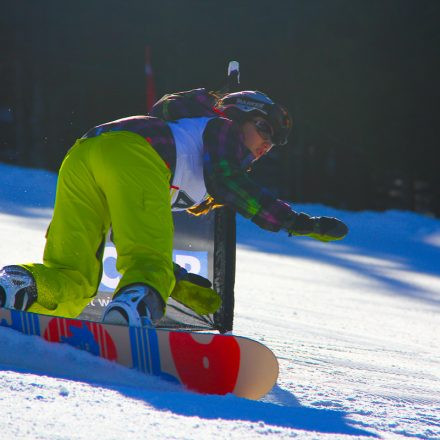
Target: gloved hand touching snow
(319, 228)
(195, 292)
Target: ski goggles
(265, 129)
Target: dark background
(361, 79)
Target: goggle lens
(264, 129)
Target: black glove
(181, 274)
(319, 228)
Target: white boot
(137, 305)
(17, 288)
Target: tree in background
(360, 77)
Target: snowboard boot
(137, 305)
(17, 288)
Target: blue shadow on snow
(238, 409)
(288, 413)
(25, 189)
(371, 236)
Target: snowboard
(206, 363)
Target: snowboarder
(191, 152)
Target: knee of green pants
(59, 292)
(66, 310)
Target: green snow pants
(116, 179)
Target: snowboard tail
(203, 362)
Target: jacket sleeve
(188, 104)
(227, 180)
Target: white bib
(188, 187)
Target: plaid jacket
(226, 159)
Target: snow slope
(354, 324)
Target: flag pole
(149, 77)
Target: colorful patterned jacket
(226, 160)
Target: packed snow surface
(354, 324)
